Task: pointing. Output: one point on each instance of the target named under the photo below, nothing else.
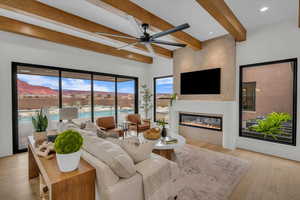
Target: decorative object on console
(146, 103)
(40, 124)
(67, 147)
(51, 135)
(163, 123)
(46, 150)
(152, 134)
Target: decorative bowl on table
(152, 134)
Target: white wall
(28, 50)
(160, 67)
(273, 42)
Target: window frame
(254, 96)
(154, 93)
(14, 89)
(294, 64)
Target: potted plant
(173, 98)
(146, 104)
(67, 146)
(40, 124)
(162, 123)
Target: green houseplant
(146, 103)
(173, 98)
(67, 146)
(271, 125)
(40, 124)
(162, 123)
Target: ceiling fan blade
(114, 35)
(150, 49)
(127, 45)
(168, 43)
(172, 30)
(138, 29)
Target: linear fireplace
(201, 121)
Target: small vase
(39, 137)
(164, 132)
(68, 162)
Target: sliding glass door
(104, 96)
(36, 87)
(126, 90)
(77, 92)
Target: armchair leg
(175, 197)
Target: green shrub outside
(272, 125)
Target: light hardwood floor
(269, 178)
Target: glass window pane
(126, 97)
(104, 96)
(267, 101)
(37, 88)
(76, 92)
(164, 91)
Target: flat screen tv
(201, 82)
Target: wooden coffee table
(167, 150)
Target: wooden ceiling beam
(42, 11)
(18, 27)
(224, 15)
(141, 14)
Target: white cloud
(76, 84)
(47, 81)
(99, 88)
(165, 81)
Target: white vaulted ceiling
(176, 12)
(249, 15)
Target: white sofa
(109, 186)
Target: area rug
(207, 175)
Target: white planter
(68, 162)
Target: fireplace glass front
(201, 121)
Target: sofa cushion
(138, 150)
(104, 134)
(111, 154)
(90, 126)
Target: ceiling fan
(143, 37)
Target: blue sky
(76, 84)
(164, 85)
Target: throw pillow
(90, 126)
(104, 134)
(111, 154)
(138, 150)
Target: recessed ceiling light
(210, 33)
(264, 9)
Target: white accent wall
(24, 49)
(269, 43)
(224, 108)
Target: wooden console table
(76, 185)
